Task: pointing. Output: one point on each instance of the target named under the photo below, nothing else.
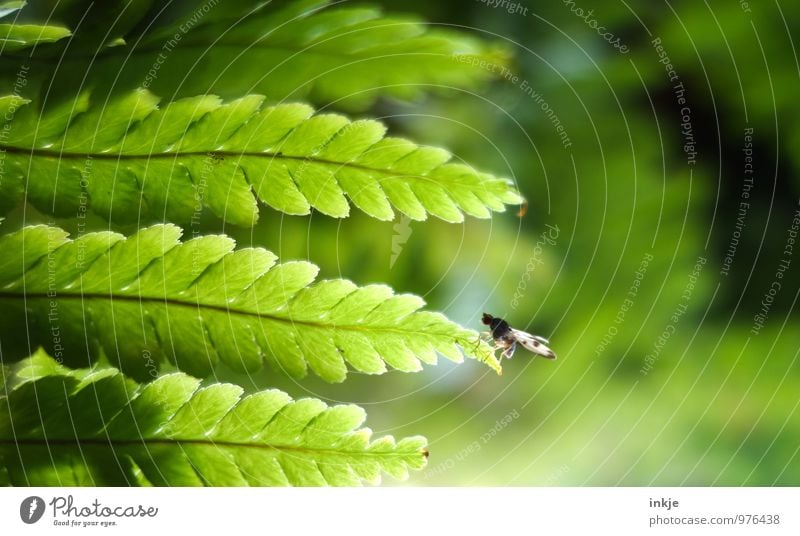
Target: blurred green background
(718, 403)
(665, 376)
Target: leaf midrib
(46, 153)
(204, 443)
(213, 307)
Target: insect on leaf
(148, 298)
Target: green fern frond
(129, 160)
(305, 49)
(14, 37)
(141, 300)
(96, 427)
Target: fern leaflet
(7, 7)
(15, 37)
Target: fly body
(506, 338)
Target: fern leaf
(288, 50)
(14, 37)
(141, 300)
(129, 160)
(96, 427)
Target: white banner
(121, 511)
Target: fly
(506, 338)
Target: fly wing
(537, 345)
(541, 339)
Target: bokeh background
(672, 306)
(665, 376)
